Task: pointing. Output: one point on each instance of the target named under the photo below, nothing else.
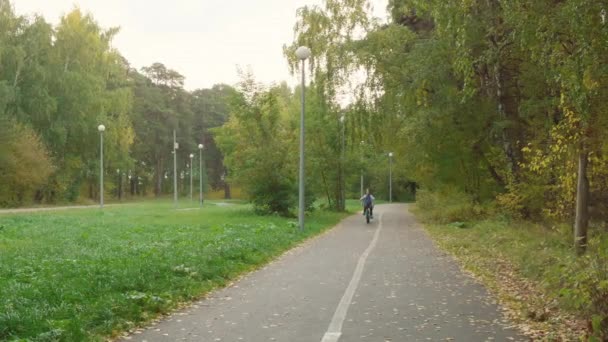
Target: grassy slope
(85, 274)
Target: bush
(581, 283)
(447, 206)
(278, 197)
(272, 195)
(24, 163)
(523, 200)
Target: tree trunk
(582, 204)
(507, 109)
(477, 151)
(39, 196)
(338, 195)
(17, 75)
(506, 75)
(340, 191)
(227, 194)
(158, 185)
(413, 187)
(120, 186)
(326, 188)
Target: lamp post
(200, 168)
(302, 53)
(342, 181)
(182, 175)
(118, 184)
(362, 146)
(175, 147)
(191, 160)
(390, 177)
(101, 129)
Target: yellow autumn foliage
(553, 163)
(24, 164)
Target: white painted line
(331, 337)
(335, 327)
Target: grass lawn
(86, 274)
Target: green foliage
(63, 81)
(24, 163)
(324, 161)
(581, 284)
(124, 266)
(211, 108)
(258, 144)
(330, 30)
(273, 196)
(496, 100)
(455, 88)
(448, 206)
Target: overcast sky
(204, 40)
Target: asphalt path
(33, 210)
(383, 281)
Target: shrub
(272, 195)
(24, 163)
(448, 205)
(523, 200)
(581, 283)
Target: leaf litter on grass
(522, 301)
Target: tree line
(58, 83)
(500, 101)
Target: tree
(24, 162)
(159, 93)
(328, 30)
(211, 108)
(568, 44)
(257, 142)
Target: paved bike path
(379, 282)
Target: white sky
(204, 40)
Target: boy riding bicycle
(368, 203)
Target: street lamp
(302, 53)
(200, 168)
(342, 181)
(191, 156)
(101, 129)
(119, 184)
(390, 177)
(175, 147)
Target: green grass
(86, 274)
(532, 248)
